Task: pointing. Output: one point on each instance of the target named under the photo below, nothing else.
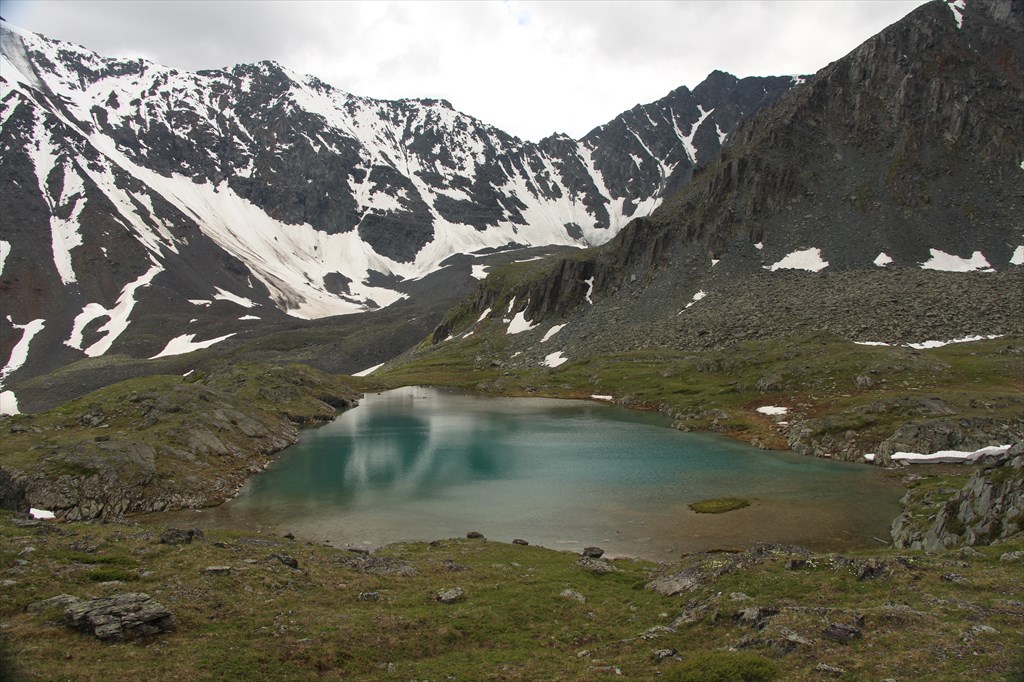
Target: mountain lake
(417, 464)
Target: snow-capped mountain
(130, 189)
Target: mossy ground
(266, 621)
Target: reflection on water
(418, 464)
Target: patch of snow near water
(949, 263)
(805, 259)
(882, 260)
(948, 456)
(602, 397)
(180, 345)
(520, 324)
(368, 371)
(551, 332)
(555, 359)
(41, 513)
(773, 410)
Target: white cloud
(529, 67)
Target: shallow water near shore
(421, 464)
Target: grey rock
(520, 541)
(449, 595)
(289, 561)
(217, 570)
(593, 552)
(178, 536)
(369, 563)
(1012, 556)
(475, 535)
(120, 617)
(662, 654)
(598, 566)
(838, 632)
(61, 600)
(755, 616)
(574, 595)
(368, 596)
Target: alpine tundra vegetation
(195, 266)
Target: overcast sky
(530, 68)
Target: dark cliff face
(904, 155)
(145, 204)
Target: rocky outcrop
(163, 443)
(125, 616)
(988, 509)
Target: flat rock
(120, 617)
(840, 633)
(217, 570)
(599, 566)
(449, 596)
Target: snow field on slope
(804, 259)
(118, 316)
(185, 343)
(949, 263)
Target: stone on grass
(475, 535)
(520, 541)
(61, 600)
(593, 552)
(368, 596)
(573, 594)
(180, 536)
(840, 633)
(288, 561)
(449, 596)
(120, 617)
(598, 566)
(217, 570)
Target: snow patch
(555, 359)
(480, 271)
(696, 297)
(368, 371)
(41, 513)
(759, 246)
(773, 410)
(869, 457)
(1016, 259)
(5, 250)
(551, 332)
(590, 290)
(596, 396)
(805, 259)
(520, 324)
(882, 260)
(947, 262)
(948, 456)
(957, 7)
(8, 403)
(939, 344)
(248, 317)
(482, 316)
(222, 295)
(200, 301)
(118, 316)
(180, 345)
(19, 354)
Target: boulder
(593, 552)
(120, 617)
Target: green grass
(268, 621)
(719, 505)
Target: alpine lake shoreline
(517, 611)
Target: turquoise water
(422, 464)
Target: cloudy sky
(530, 68)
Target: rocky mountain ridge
(879, 200)
(145, 205)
